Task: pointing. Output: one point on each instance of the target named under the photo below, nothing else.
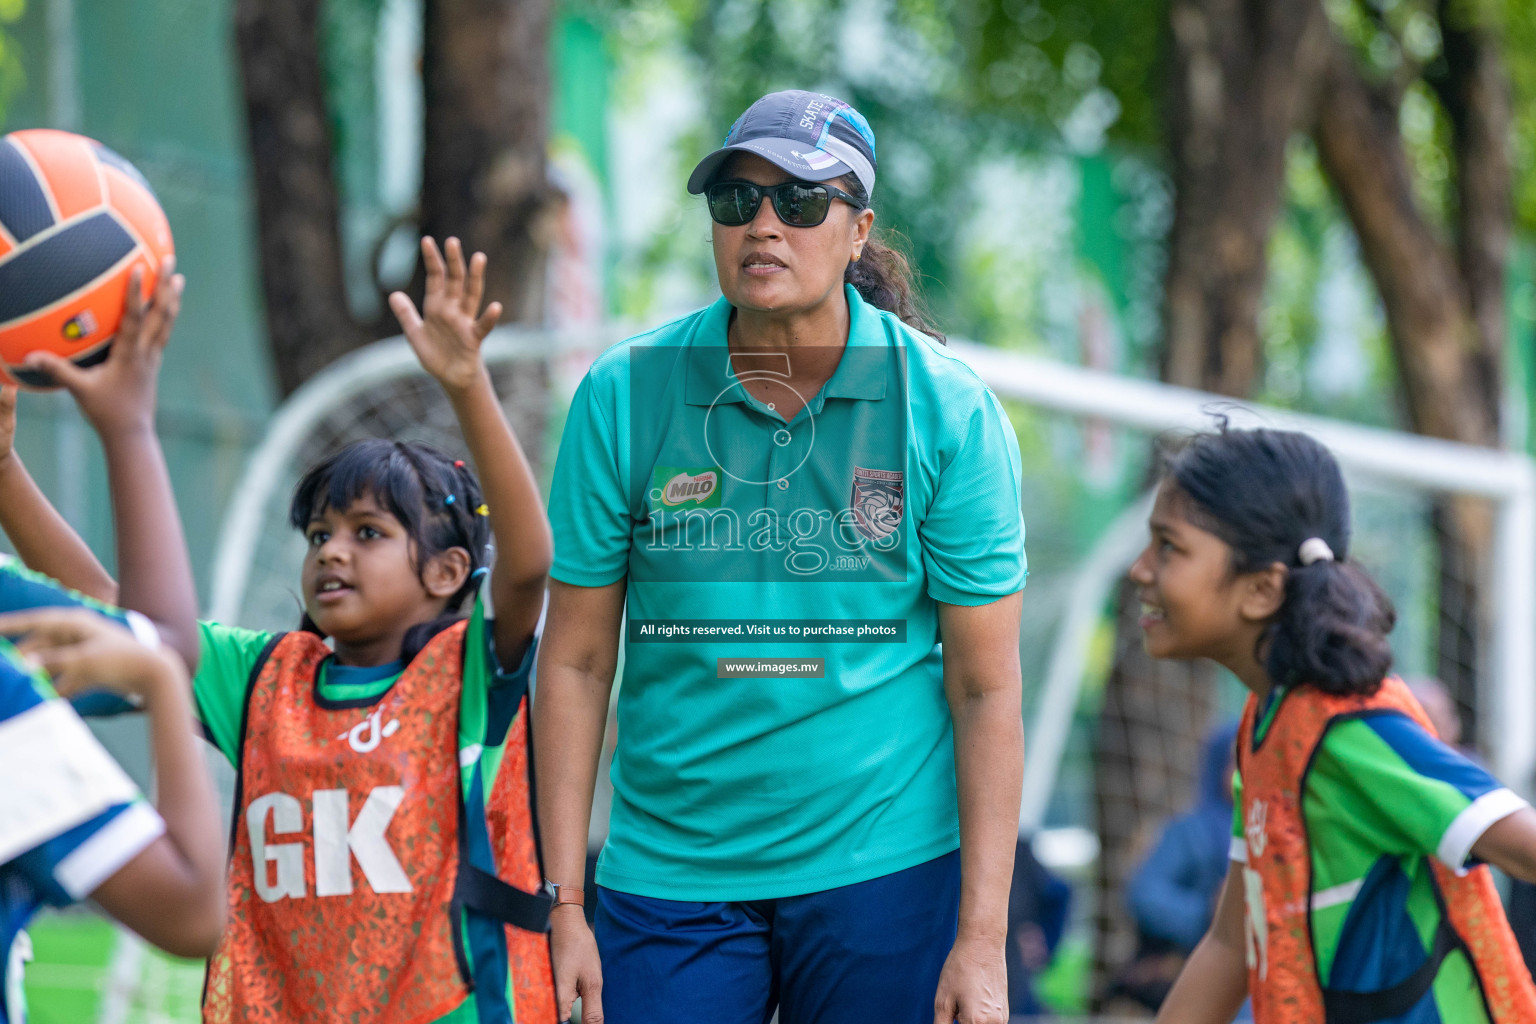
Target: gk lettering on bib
(336, 844)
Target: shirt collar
(860, 374)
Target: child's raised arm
(118, 399)
(1214, 981)
(446, 337)
(41, 537)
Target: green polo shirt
(829, 539)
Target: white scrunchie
(1314, 549)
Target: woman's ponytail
(1278, 496)
(883, 275)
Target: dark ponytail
(883, 274)
(1265, 493)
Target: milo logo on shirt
(674, 486)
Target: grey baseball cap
(813, 136)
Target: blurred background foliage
(993, 119)
(12, 78)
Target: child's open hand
(119, 393)
(446, 335)
(82, 650)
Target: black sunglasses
(801, 204)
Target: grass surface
(85, 970)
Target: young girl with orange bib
(384, 868)
(1356, 891)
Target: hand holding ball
(76, 220)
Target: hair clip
(479, 573)
(458, 463)
(1314, 549)
(450, 499)
(483, 510)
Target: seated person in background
(1037, 915)
(1172, 895)
(1440, 707)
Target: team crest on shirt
(877, 502)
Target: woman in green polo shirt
(792, 494)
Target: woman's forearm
(43, 540)
(570, 713)
(989, 770)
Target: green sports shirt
(1382, 798)
(782, 725)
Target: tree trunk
(1433, 335)
(486, 82)
(1476, 95)
(1243, 74)
(297, 208)
(486, 89)
(1445, 313)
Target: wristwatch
(567, 894)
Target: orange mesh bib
(1277, 882)
(342, 876)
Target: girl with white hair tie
(1356, 890)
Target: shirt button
(783, 484)
(781, 438)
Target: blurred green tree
(485, 72)
(11, 76)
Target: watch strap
(572, 894)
